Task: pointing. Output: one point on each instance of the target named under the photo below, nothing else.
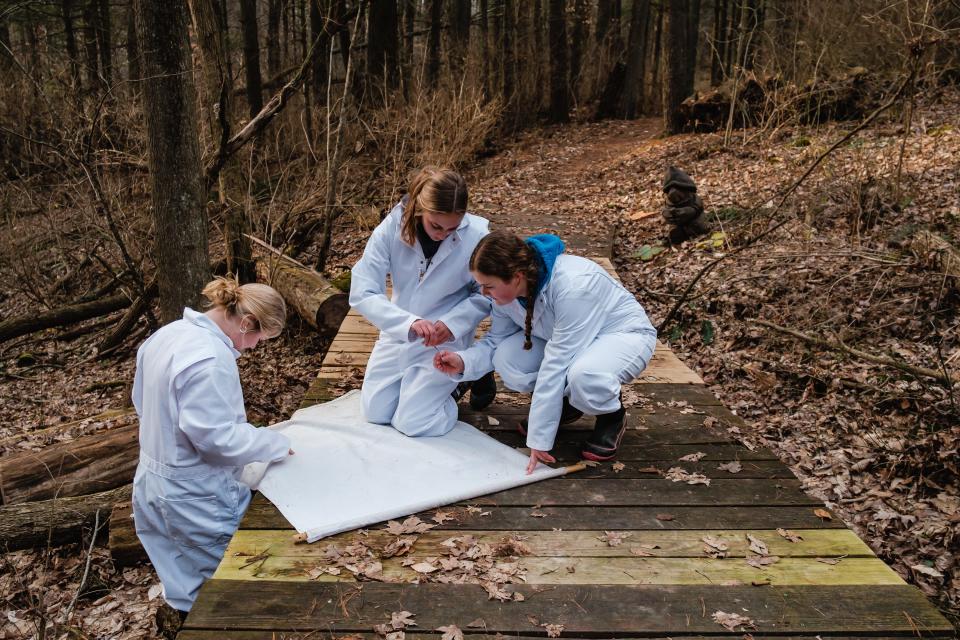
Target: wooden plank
(694, 394)
(596, 571)
(263, 515)
(713, 452)
(825, 543)
(477, 634)
(597, 610)
(651, 469)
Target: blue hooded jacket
(547, 247)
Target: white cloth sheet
(347, 473)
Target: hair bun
(223, 292)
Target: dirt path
(555, 180)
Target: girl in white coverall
(194, 434)
(563, 329)
(423, 244)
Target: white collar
(204, 321)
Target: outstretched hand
(538, 456)
(448, 362)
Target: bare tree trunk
(635, 75)
(251, 55)
(105, 40)
(485, 48)
(6, 60)
(459, 18)
(507, 53)
(382, 58)
(70, 41)
(693, 38)
(274, 9)
(747, 35)
(433, 43)
(676, 56)
(318, 77)
(91, 13)
(731, 39)
(718, 43)
(176, 179)
(133, 53)
(578, 38)
(559, 70)
(409, 17)
(656, 86)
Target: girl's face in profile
(501, 291)
(439, 225)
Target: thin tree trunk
(559, 70)
(635, 74)
(675, 57)
(133, 53)
(105, 40)
(176, 179)
(70, 41)
(382, 58)
(90, 15)
(459, 18)
(318, 77)
(716, 55)
(693, 38)
(656, 85)
(507, 53)
(604, 15)
(732, 38)
(409, 17)
(274, 9)
(433, 43)
(6, 60)
(251, 55)
(485, 48)
(578, 38)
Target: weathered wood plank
(263, 515)
(597, 610)
(661, 544)
(477, 634)
(595, 571)
(652, 469)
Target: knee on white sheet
(377, 408)
(593, 392)
(423, 420)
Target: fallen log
(322, 305)
(125, 547)
(21, 326)
(58, 521)
(88, 464)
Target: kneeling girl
(563, 329)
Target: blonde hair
(260, 301)
(434, 190)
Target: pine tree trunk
(320, 62)
(459, 19)
(485, 48)
(717, 53)
(409, 17)
(176, 178)
(70, 41)
(559, 70)
(656, 86)
(578, 37)
(133, 52)
(507, 53)
(693, 38)
(251, 55)
(676, 56)
(433, 43)
(91, 13)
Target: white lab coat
(401, 387)
(194, 440)
(590, 335)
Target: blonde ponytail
(259, 301)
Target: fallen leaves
(613, 538)
(451, 632)
(790, 536)
(413, 524)
(618, 467)
(732, 467)
(679, 474)
(760, 562)
(757, 545)
(715, 547)
(693, 457)
(823, 514)
(730, 621)
(643, 550)
(553, 630)
(442, 516)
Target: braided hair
(502, 254)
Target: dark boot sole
(603, 456)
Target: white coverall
(401, 387)
(589, 334)
(194, 440)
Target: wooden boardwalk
(676, 553)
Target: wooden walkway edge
(617, 551)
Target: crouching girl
(563, 329)
(424, 245)
(194, 434)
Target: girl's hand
(448, 362)
(424, 329)
(538, 456)
(441, 334)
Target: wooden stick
(840, 346)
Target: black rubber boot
(568, 414)
(482, 392)
(460, 390)
(607, 433)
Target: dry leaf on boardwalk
(665, 517)
(413, 524)
(693, 457)
(823, 514)
(479, 623)
(424, 567)
(731, 621)
(715, 547)
(732, 467)
(492, 421)
(398, 547)
(451, 632)
(759, 562)
(613, 538)
(790, 536)
(643, 550)
(830, 560)
(536, 513)
(553, 630)
(757, 545)
(442, 516)
(679, 474)
(618, 467)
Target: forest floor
(879, 445)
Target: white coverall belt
(177, 473)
